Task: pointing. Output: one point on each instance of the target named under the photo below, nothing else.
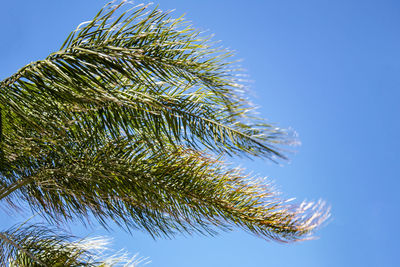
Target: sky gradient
(327, 69)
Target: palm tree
(130, 122)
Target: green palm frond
(124, 123)
(169, 190)
(139, 71)
(43, 246)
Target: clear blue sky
(328, 69)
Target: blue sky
(329, 70)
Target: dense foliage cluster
(128, 123)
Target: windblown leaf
(42, 246)
(163, 193)
(118, 125)
(140, 72)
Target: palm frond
(41, 246)
(114, 125)
(181, 191)
(140, 71)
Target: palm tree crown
(128, 122)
